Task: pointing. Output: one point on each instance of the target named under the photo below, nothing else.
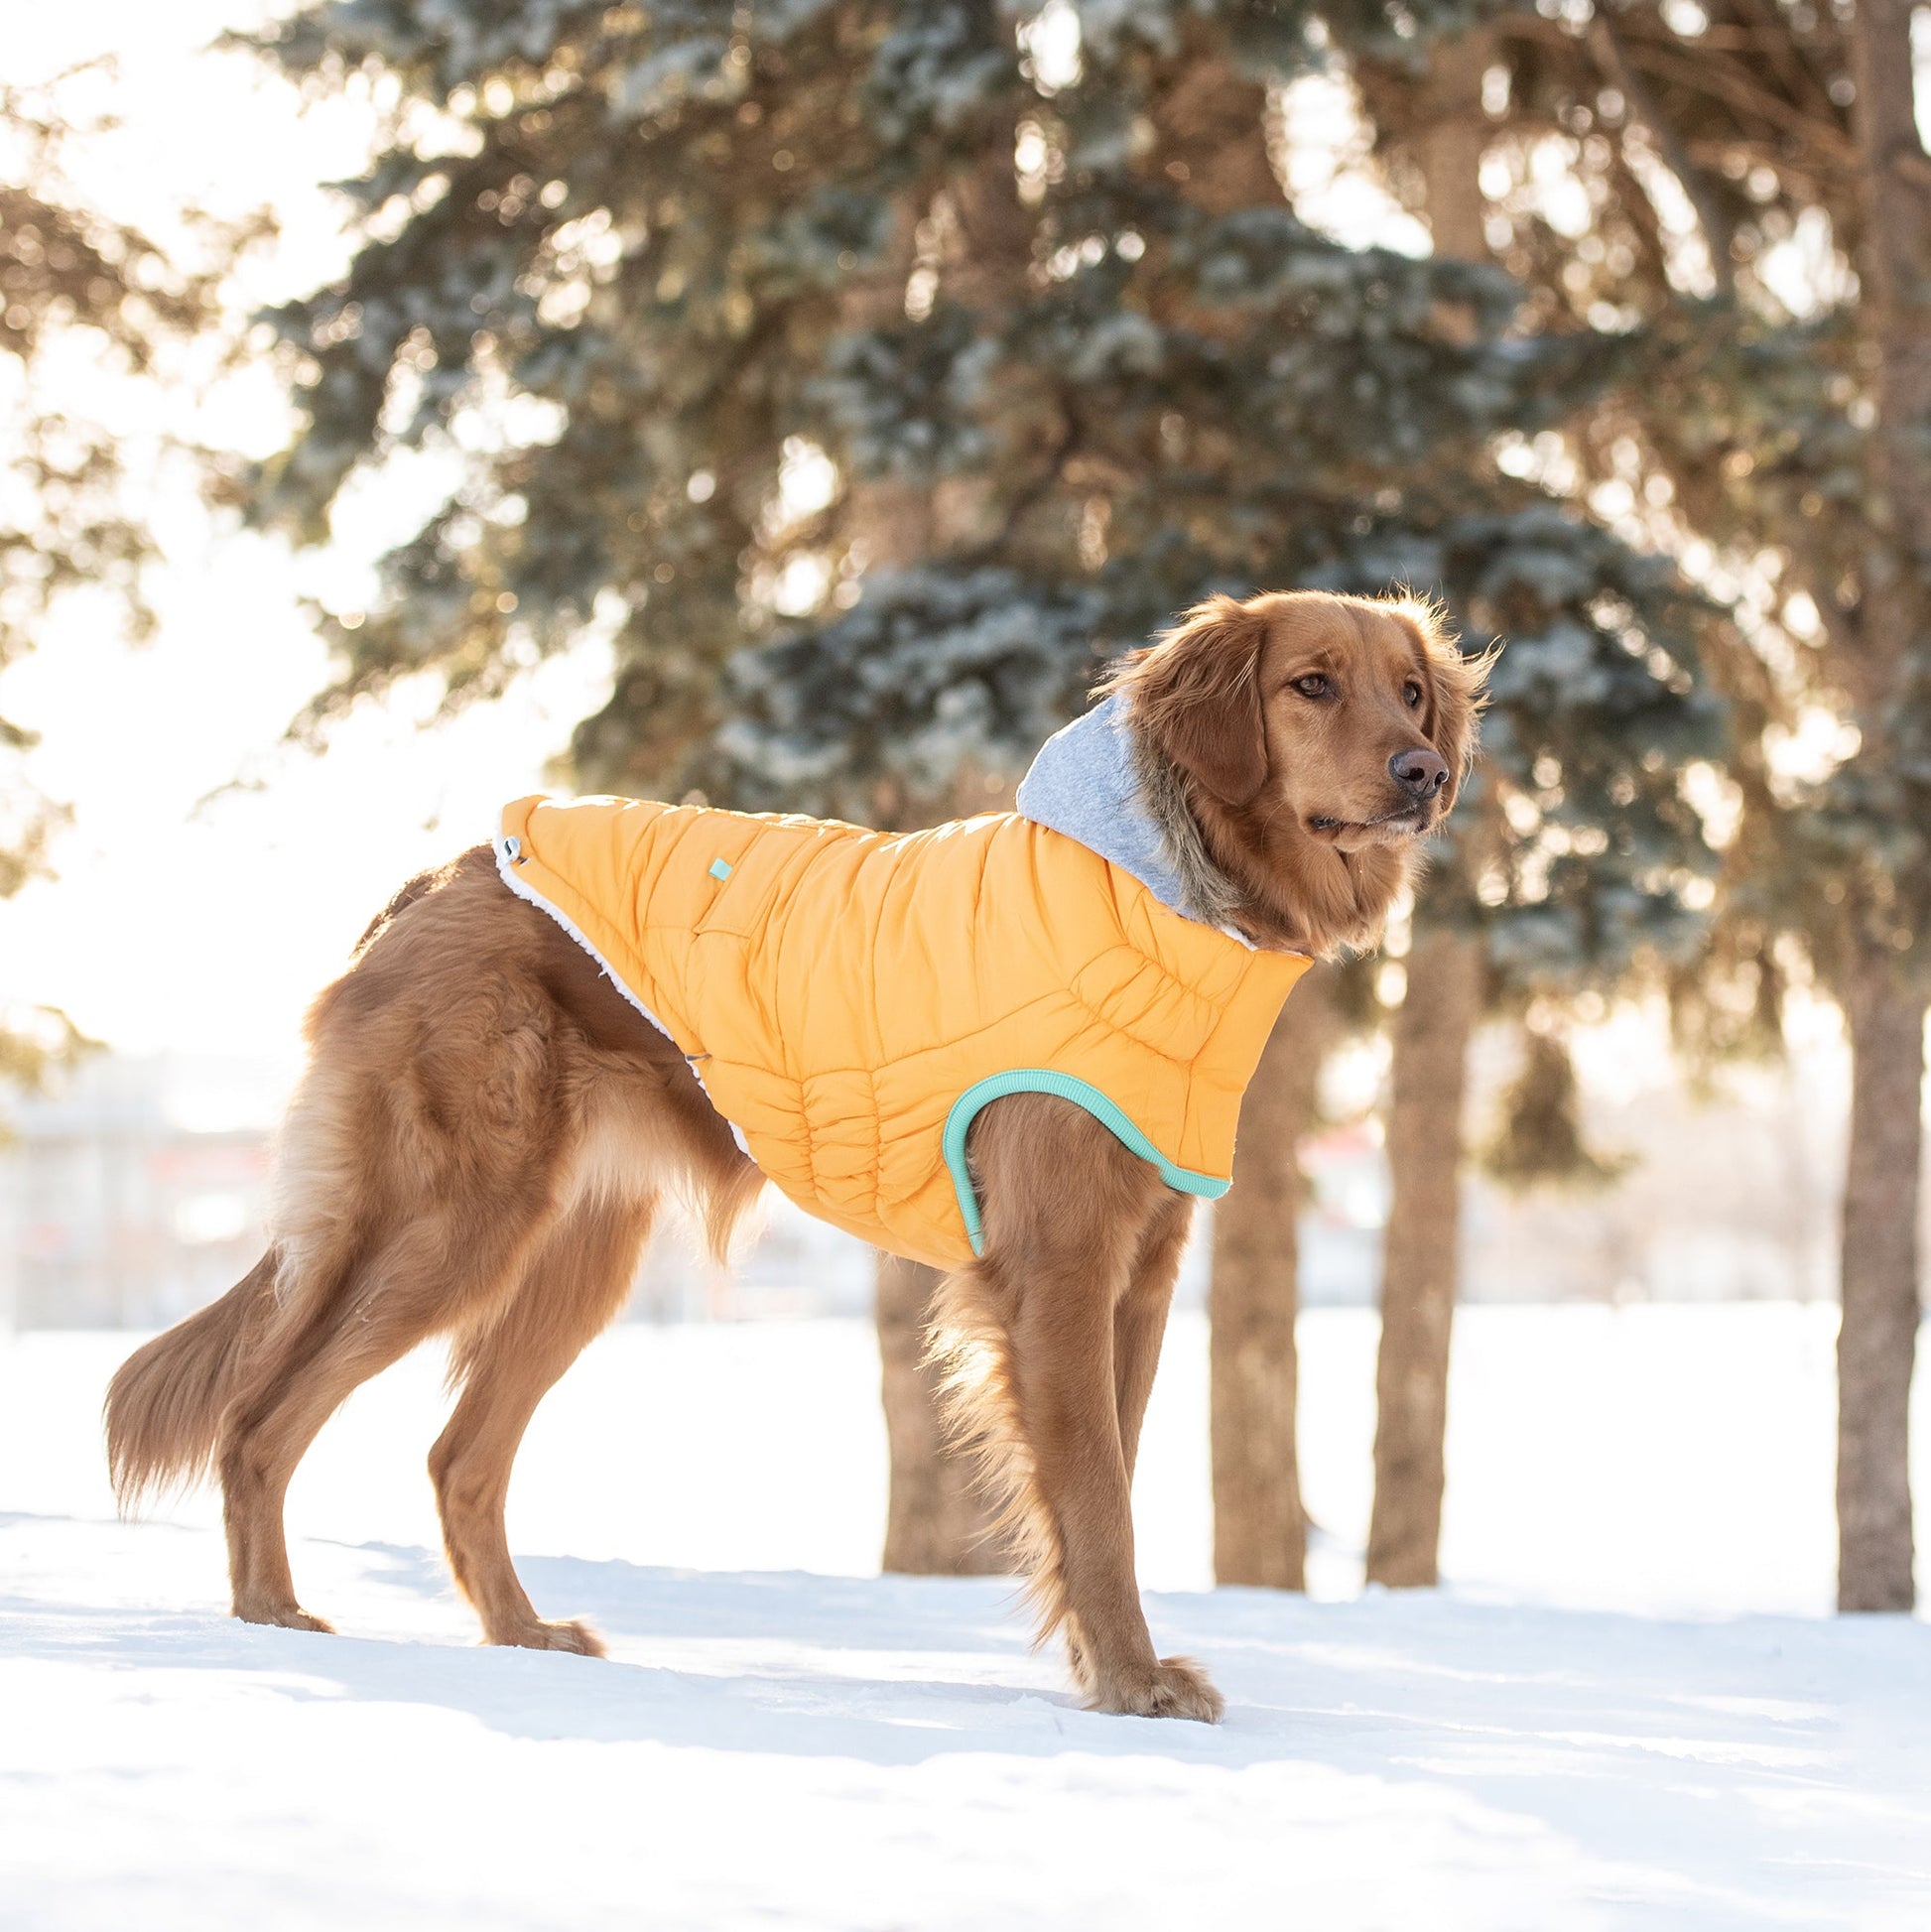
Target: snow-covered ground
(1627, 1709)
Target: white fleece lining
(506, 870)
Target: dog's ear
(1455, 686)
(1196, 694)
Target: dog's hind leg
(266, 1433)
(574, 1285)
(325, 1345)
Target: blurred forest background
(793, 405)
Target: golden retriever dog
(486, 1128)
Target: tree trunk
(1451, 134)
(1876, 1342)
(1210, 143)
(1421, 1245)
(1259, 1529)
(1209, 129)
(1420, 1253)
(935, 1524)
(1894, 322)
(1877, 1334)
(932, 1523)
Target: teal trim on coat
(1041, 1080)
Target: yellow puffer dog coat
(851, 999)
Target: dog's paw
(571, 1635)
(283, 1617)
(1175, 1687)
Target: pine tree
(625, 244)
(1592, 758)
(1467, 960)
(1778, 417)
(642, 268)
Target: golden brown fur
(1291, 796)
(486, 1129)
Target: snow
(1627, 1709)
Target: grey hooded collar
(1086, 783)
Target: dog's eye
(1316, 684)
(1412, 692)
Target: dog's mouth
(1406, 820)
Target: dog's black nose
(1420, 773)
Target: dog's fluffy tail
(164, 1406)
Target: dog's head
(1304, 724)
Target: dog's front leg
(1066, 1209)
